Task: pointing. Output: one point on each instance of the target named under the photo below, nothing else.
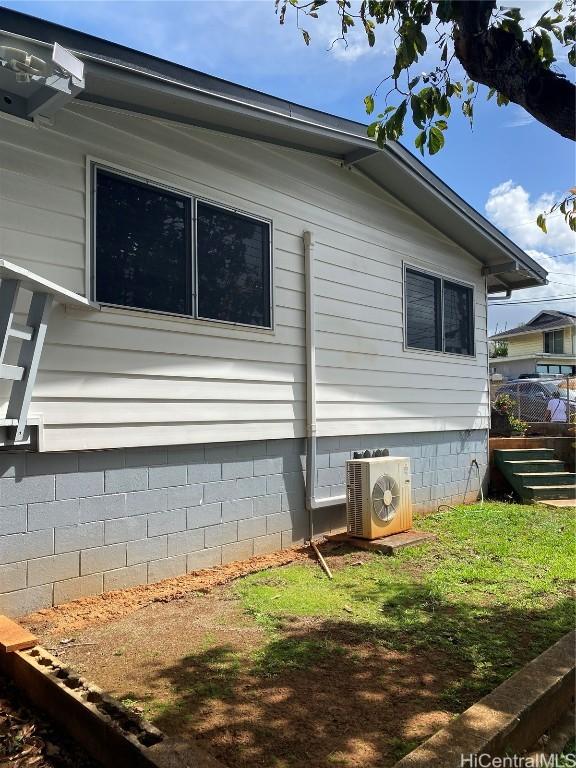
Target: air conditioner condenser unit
(378, 496)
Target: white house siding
(116, 378)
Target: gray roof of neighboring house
(123, 78)
(547, 320)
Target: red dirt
(99, 609)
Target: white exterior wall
(119, 378)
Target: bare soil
(100, 609)
(189, 661)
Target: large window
(145, 245)
(439, 314)
(554, 342)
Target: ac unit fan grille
(385, 498)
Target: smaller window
(439, 314)
(233, 264)
(554, 342)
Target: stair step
(542, 465)
(523, 454)
(545, 478)
(550, 491)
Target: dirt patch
(316, 692)
(100, 609)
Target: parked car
(533, 396)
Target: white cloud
(519, 117)
(510, 208)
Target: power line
(533, 221)
(528, 301)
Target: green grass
(492, 591)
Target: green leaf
(413, 83)
(514, 28)
(371, 130)
(306, 37)
(444, 107)
(441, 124)
(420, 141)
(541, 222)
(418, 113)
(502, 100)
(369, 104)
(470, 88)
(491, 93)
(420, 42)
(514, 14)
(468, 110)
(444, 10)
(572, 56)
(435, 140)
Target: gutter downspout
(312, 503)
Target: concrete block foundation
(81, 523)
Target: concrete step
(542, 465)
(523, 454)
(547, 478)
(538, 492)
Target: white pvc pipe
(312, 503)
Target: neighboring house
(544, 345)
(235, 294)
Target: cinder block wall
(76, 524)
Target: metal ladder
(31, 337)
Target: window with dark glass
(458, 323)
(554, 342)
(142, 244)
(233, 266)
(144, 256)
(439, 314)
(423, 311)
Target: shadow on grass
(325, 692)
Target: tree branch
(494, 57)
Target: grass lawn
(286, 669)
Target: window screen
(458, 314)
(233, 267)
(423, 311)
(142, 246)
(554, 342)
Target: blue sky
(508, 167)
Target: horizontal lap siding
(116, 378)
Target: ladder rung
(12, 372)
(23, 332)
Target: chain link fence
(550, 399)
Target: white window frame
(92, 167)
(442, 277)
(551, 334)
